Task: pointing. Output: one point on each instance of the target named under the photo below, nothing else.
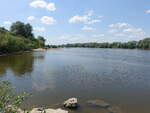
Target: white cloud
(47, 20)
(30, 18)
(120, 36)
(147, 11)
(77, 18)
(74, 38)
(133, 30)
(93, 21)
(87, 18)
(38, 3)
(43, 4)
(87, 28)
(7, 23)
(113, 31)
(119, 25)
(39, 29)
(135, 33)
(51, 6)
(98, 35)
(123, 32)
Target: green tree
(2, 29)
(41, 40)
(19, 28)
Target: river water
(117, 76)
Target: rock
(71, 103)
(37, 110)
(99, 103)
(55, 111)
(20, 111)
(40, 110)
(13, 108)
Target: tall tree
(41, 40)
(22, 29)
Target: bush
(9, 98)
(10, 42)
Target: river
(118, 76)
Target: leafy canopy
(22, 29)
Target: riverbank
(44, 49)
(72, 105)
(34, 50)
(39, 49)
(19, 52)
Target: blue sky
(73, 21)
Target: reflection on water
(120, 77)
(20, 64)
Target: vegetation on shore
(10, 102)
(142, 44)
(19, 38)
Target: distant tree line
(142, 44)
(19, 38)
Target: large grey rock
(40, 110)
(99, 103)
(71, 103)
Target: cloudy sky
(73, 21)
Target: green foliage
(41, 41)
(10, 43)
(142, 44)
(19, 28)
(2, 29)
(19, 39)
(9, 101)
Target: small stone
(37, 110)
(40, 110)
(71, 103)
(55, 111)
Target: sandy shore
(39, 49)
(42, 49)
